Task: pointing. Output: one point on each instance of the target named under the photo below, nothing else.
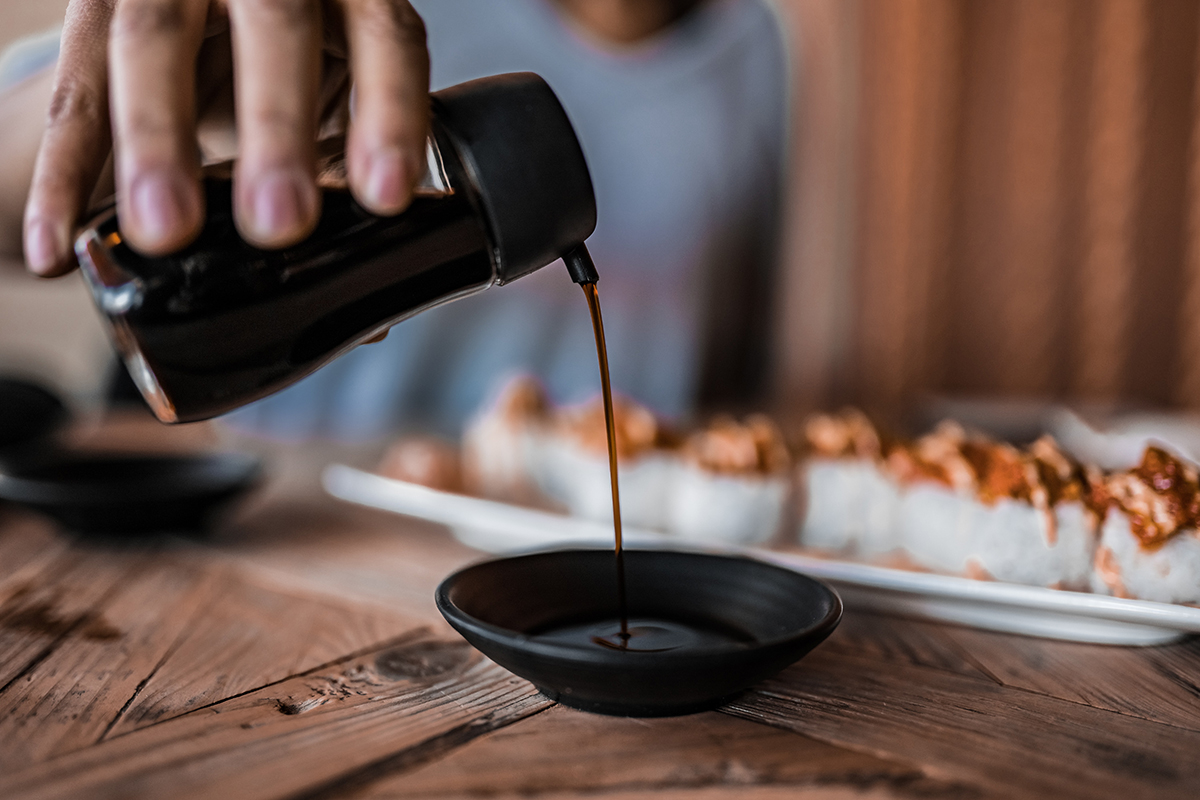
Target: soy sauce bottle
(222, 323)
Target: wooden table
(297, 653)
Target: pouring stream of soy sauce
(583, 271)
(593, 300)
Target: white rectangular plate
(502, 528)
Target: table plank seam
(1004, 686)
(1188, 686)
(440, 746)
(185, 633)
(966, 655)
(143, 683)
(68, 631)
(412, 635)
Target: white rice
(496, 457)
(703, 506)
(1015, 542)
(579, 479)
(1010, 540)
(934, 523)
(850, 506)
(1167, 574)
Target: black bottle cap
(579, 264)
(514, 136)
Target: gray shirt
(684, 137)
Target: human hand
(158, 67)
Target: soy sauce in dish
(645, 634)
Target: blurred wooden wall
(992, 197)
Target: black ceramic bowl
(28, 413)
(501, 606)
(130, 494)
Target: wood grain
(1113, 151)
(307, 734)
(248, 635)
(27, 543)
(815, 295)
(58, 603)
(70, 698)
(1187, 390)
(1154, 683)
(1161, 221)
(296, 654)
(745, 792)
(345, 550)
(906, 642)
(1008, 742)
(909, 118)
(565, 752)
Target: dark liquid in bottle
(221, 322)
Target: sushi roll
(571, 462)
(976, 507)
(850, 504)
(1149, 543)
(938, 487)
(1034, 523)
(425, 460)
(499, 444)
(732, 483)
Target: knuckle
(75, 101)
(88, 19)
(275, 125)
(145, 126)
(394, 18)
(147, 19)
(289, 13)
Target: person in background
(680, 106)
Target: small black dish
(28, 413)
(772, 617)
(130, 494)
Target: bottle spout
(579, 264)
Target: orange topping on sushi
(638, 430)
(1161, 496)
(424, 460)
(727, 446)
(1109, 571)
(846, 434)
(1002, 471)
(935, 457)
(1063, 479)
(1041, 475)
(522, 398)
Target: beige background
(998, 198)
(995, 198)
(48, 329)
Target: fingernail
(42, 251)
(277, 208)
(157, 209)
(388, 183)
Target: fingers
(276, 47)
(152, 57)
(390, 64)
(76, 140)
(24, 107)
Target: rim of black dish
(229, 471)
(530, 643)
